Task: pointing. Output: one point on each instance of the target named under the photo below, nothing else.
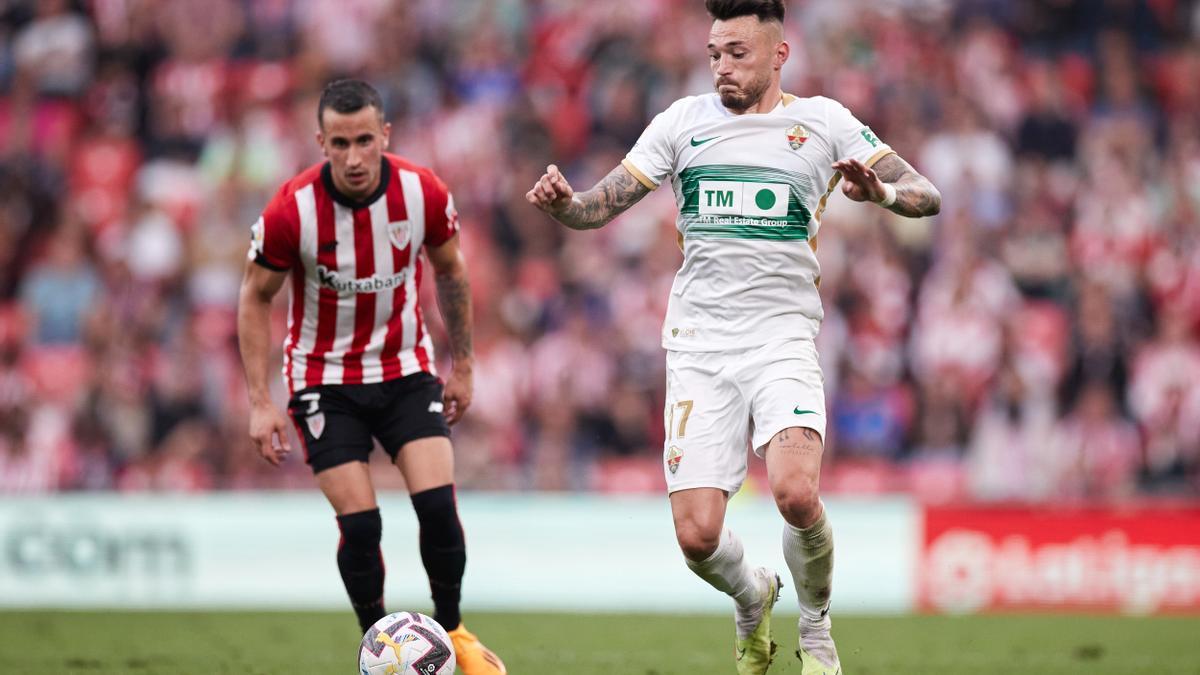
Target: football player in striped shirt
(358, 360)
(752, 169)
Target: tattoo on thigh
(808, 442)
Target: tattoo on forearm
(454, 300)
(616, 192)
(915, 195)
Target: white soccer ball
(406, 643)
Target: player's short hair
(348, 96)
(765, 10)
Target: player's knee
(437, 511)
(799, 502)
(362, 530)
(696, 541)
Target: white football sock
(809, 555)
(726, 570)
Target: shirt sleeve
(275, 236)
(652, 158)
(852, 139)
(441, 218)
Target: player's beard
(744, 97)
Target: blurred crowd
(1036, 341)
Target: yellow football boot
(811, 665)
(823, 657)
(755, 653)
(473, 658)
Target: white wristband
(889, 195)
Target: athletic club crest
(674, 457)
(316, 424)
(400, 233)
(796, 136)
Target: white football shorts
(721, 403)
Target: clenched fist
(552, 193)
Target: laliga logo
(958, 571)
(967, 570)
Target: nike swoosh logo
(740, 653)
(703, 140)
(798, 411)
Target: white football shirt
(751, 189)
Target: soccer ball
(406, 643)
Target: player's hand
(459, 390)
(268, 431)
(861, 184)
(552, 193)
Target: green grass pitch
(142, 643)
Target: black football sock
(443, 551)
(360, 561)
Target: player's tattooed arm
(915, 195)
(594, 208)
(454, 302)
(609, 198)
(454, 299)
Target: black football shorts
(336, 422)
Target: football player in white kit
(752, 168)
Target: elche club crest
(674, 457)
(400, 233)
(796, 136)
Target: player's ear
(321, 142)
(782, 51)
(387, 132)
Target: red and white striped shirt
(354, 316)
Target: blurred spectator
(1099, 350)
(1034, 249)
(870, 419)
(942, 428)
(55, 50)
(959, 334)
(59, 290)
(971, 163)
(1047, 130)
(1096, 449)
(1165, 398)
(1011, 456)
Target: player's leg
(336, 445)
(428, 468)
(705, 462)
(789, 410)
(359, 556)
(416, 434)
(715, 553)
(793, 470)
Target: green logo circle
(765, 199)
